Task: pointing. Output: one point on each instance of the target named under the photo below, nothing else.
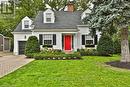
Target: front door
(67, 42)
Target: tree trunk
(125, 46)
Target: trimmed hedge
(41, 56)
(88, 52)
(32, 45)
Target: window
(48, 17)
(89, 40)
(48, 39)
(26, 24)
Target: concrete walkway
(11, 63)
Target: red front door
(67, 42)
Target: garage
(21, 45)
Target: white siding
(84, 30)
(19, 37)
(58, 38)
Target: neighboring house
(57, 29)
(4, 43)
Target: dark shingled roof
(63, 20)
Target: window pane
(26, 24)
(48, 19)
(89, 42)
(47, 39)
(47, 42)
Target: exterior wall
(58, 38)
(20, 37)
(1, 43)
(6, 44)
(77, 37)
(84, 30)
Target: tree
(105, 45)
(82, 4)
(106, 12)
(56, 4)
(31, 7)
(32, 45)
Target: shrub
(105, 46)
(41, 56)
(32, 45)
(30, 55)
(52, 51)
(88, 52)
(117, 46)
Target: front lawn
(89, 72)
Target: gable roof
(63, 20)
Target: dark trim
(40, 39)
(62, 41)
(83, 39)
(96, 39)
(89, 45)
(54, 39)
(49, 46)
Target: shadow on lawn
(119, 64)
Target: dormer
(26, 23)
(85, 13)
(49, 16)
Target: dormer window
(26, 24)
(48, 17)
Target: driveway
(5, 53)
(11, 63)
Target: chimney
(70, 6)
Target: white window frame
(27, 21)
(48, 37)
(49, 16)
(90, 38)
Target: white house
(60, 29)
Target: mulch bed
(119, 64)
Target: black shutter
(62, 41)
(72, 41)
(54, 39)
(40, 39)
(83, 39)
(95, 39)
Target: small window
(48, 39)
(89, 40)
(26, 24)
(48, 17)
(47, 42)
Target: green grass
(89, 72)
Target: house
(57, 29)
(4, 43)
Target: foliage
(105, 45)
(57, 56)
(117, 44)
(56, 73)
(56, 4)
(52, 51)
(31, 7)
(88, 52)
(32, 45)
(82, 4)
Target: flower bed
(42, 56)
(54, 55)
